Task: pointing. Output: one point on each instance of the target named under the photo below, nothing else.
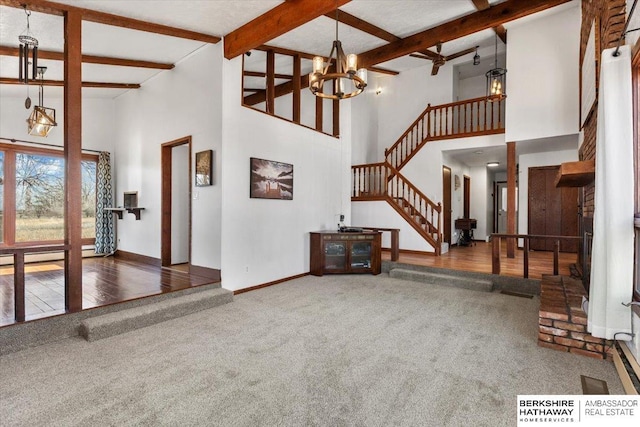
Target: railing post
(526, 257)
(18, 286)
(495, 255)
(556, 254)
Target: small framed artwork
(271, 180)
(204, 164)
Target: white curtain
(612, 251)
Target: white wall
(527, 161)
(174, 104)
(381, 214)
(480, 207)
(542, 64)
(472, 87)
(97, 120)
(364, 127)
(405, 97)
(267, 240)
(180, 204)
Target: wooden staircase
(383, 181)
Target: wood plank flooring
(104, 281)
(477, 258)
(109, 280)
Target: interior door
(552, 211)
(501, 207)
(467, 197)
(176, 203)
(446, 204)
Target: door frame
(165, 222)
(446, 205)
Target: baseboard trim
(625, 378)
(412, 252)
(209, 273)
(130, 256)
(264, 285)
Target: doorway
(176, 203)
(446, 204)
(466, 209)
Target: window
(32, 203)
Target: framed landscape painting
(271, 180)
(203, 168)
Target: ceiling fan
(439, 59)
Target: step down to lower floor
(442, 279)
(96, 328)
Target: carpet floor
(331, 351)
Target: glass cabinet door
(335, 255)
(361, 255)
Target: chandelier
(42, 119)
(496, 79)
(347, 80)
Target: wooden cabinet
(334, 252)
(552, 211)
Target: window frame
(9, 217)
(635, 73)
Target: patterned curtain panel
(105, 231)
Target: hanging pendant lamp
(496, 79)
(347, 80)
(42, 119)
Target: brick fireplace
(562, 321)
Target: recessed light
(493, 164)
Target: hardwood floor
(109, 280)
(104, 281)
(478, 258)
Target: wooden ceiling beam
(472, 23)
(500, 30)
(104, 85)
(91, 59)
(261, 74)
(305, 55)
(53, 8)
(277, 21)
(362, 25)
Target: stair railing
(369, 181)
(471, 117)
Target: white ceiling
(218, 17)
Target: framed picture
(271, 180)
(204, 161)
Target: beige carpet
(331, 351)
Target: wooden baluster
(526, 257)
(556, 254)
(446, 121)
(492, 118)
(500, 125)
(495, 255)
(428, 120)
(459, 114)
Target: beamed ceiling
(125, 43)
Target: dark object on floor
(516, 294)
(593, 385)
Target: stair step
(96, 328)
(442, 279)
